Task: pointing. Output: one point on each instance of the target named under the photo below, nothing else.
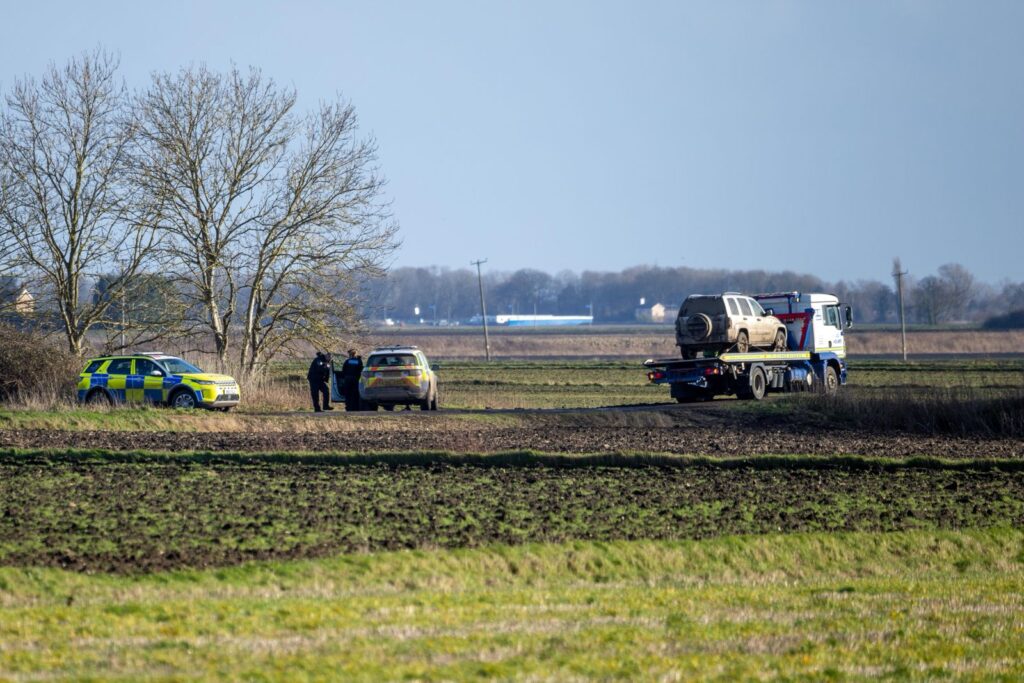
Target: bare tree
(268, 217)
(64, 157)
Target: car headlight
(204, 381)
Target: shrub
(1011, 321)
(33, 368)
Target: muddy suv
(726, 322)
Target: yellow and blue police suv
(155, 378)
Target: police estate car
(398, 375)
(155, 378)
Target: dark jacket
(319, 370)
(351, 369)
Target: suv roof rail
(151, 353)
(397, 347)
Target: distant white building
(655, 313)
(24, 303)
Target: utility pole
(483, 306)
(898, 273)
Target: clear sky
(823, 137)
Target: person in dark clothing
(319, 377)
(351, 370)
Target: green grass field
(916, 605)
(522, 566)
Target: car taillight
(655, 375)
(712, 371)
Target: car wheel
(780, 341)
(698, 326)
(368, 405)
(183, 398)
(742, 342)
(687, 354)
(98, 397)
(388, 407)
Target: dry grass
(960, 411)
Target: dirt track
(704, 430)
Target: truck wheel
(742, 342)
(780, 341)
(830, 384)
(757, 385)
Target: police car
(154, 378)
(398, 375)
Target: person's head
(351, 353)
(319, 354)
(328, 357)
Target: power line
(483, 306)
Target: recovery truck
(814, 358)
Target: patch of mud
(704, 430)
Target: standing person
(319, 377)
(351, 370)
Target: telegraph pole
(483, 306)
(898, 273)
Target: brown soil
(129, 517)
(698, 429)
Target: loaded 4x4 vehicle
(155, 378)
(726, 322)
(397, 375)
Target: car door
(152, 380)
(117, 378)
(762, 332)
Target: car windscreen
(176, 366)
(708, 305)
(391, 360)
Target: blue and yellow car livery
(155, 378)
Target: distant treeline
(442, 294)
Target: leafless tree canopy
(66, 202)
(267, 217)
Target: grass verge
(920, 604)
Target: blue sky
(823, 137)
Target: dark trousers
(352, 399)
(320, 391)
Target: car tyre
(183, 398)
(742, 342)
(98, 397)
(780, 341)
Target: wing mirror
(849, 316)
(156, 373)
(769, 311)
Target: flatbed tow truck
(815, 358)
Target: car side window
(144, 366)
(92, 367)
(733, 308)
(832, 316)
(745, 307)
(756, 307)
(120, 366)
